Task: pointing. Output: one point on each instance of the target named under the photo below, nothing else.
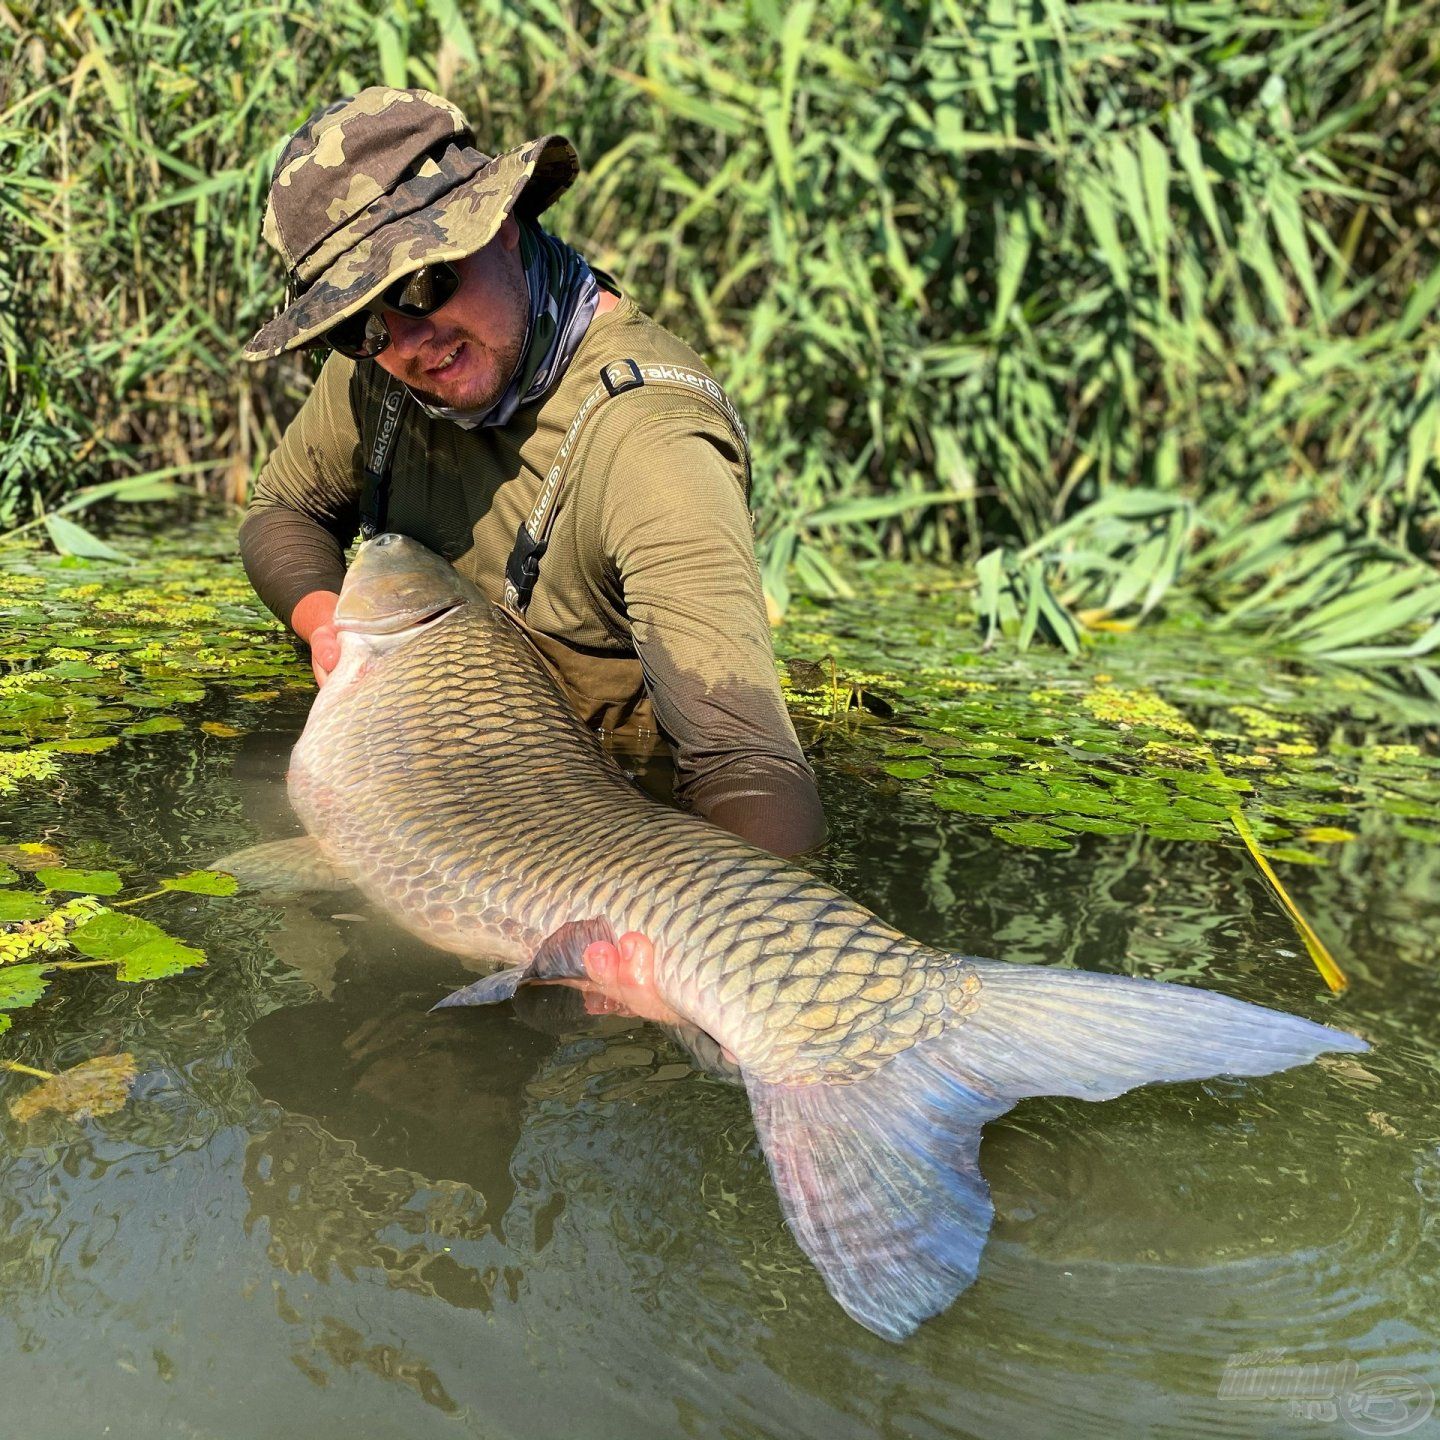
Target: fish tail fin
(879, 1178)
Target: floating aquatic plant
(37, 934)
(94, 1087)
(1184, 738)
(121, 654)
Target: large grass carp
(442, 771)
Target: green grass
(1122, 300)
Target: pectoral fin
(558, 958)
(286, 867)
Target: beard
(489, 360)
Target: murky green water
(327, 1212)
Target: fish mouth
(397, 622)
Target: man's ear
(509, 233)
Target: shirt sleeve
(676, 530)
(305, 508)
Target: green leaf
(1293, 857)
(1290, 231)
(82, 882)
(453, 29)
(71, 670)
(4, 1023)
(1032, 834)
(160, 725)
(1014, 255)
(145, 951)
(22, 985)
(202, 882)
(878, 507)
(72, 539)
(391, 54)
(157, 959)
(907, 769)
(112, 937)
(91, 745)
(8, 875)
(17, 906)
(1097, 204)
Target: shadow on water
(329, 1211)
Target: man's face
(463, 354)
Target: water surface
(328, 1212)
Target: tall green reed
(1113, 297)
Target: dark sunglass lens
(424, 291)
(360, 336)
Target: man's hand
(313, 620)
(620, 979)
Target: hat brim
(524, 181)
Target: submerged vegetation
(1113, 300)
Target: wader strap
(522, 569)
(375, 490)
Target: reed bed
(1119, 302)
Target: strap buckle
(522, 569)
(615, 378)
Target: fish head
(395, 592)
(396, 586)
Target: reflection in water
(329, 1211)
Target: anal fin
(559, 957)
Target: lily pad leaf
(31, 855)
(17, 906)
(22, 985)
(93, 1087)
(915, 769)
(112, 937)
(71, 670)
(158, 959)
(1292, 856)
(1032, 834)
(160, 725)
(7, 874)
(81, 882)
(4, 1023)
(202, 882)
(92, 745)
(145, 951)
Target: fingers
(602, 963)
(628, 962)
(623, 974)
(637, 956)
(313, 620)
(324, 652)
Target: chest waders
(522, 569)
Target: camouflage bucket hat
(376, 185)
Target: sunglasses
(364, 334)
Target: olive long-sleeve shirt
(648, 609)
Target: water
(329, 1212)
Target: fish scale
(559, 830)
(443, 772)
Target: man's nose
(407, 335)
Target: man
(493, 397)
